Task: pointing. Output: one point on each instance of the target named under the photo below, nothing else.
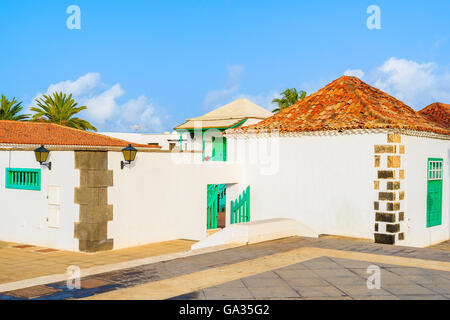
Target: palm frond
(10, 109)
(60, 108)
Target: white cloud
(83, 85)
(103, 106)
(354, 73)
(416, 84)
(218, 97)
(104, 110)
(141, 112)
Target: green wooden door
(216, 202)
(434, 192)
(219, 148)
(212, 204)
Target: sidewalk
(445, 246)
(289, 268)
(20, 262)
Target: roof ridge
(347, 103)
(70, 128)
(49, 133)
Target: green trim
(216, 202)
(203, 146)
(181, 142)
(24, 179)
(435, 172)
(211, 205)
(223, 146)
(217, 128)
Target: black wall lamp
(41, 155)
(129, 154)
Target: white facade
(161, 198)
(31, 217)
(418, 150)
(326, 182)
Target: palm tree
(290, 96)
(61, 110)
(9, 109)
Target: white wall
(145, 138)
(418, 150)
(23, 213)
(325, 182)
(159, 198)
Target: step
(256, 231)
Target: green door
(216, 203)
(434, 192)
(219, 149)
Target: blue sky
(156, 63)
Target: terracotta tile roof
(36, 133)
(344, 104)
(437, 112)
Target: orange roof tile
(344, 104)
(437, 112)
(36, 133)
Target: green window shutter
(434, 191)
(25, 179)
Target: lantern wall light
(129, 154)
(41, 155)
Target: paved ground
(332, 278)
(291, 268)
(18, 261)
(442, 246)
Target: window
(434, 192)
(434, 169)
(27, 179)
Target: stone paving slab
(323, 277)
(445, 246)
(319, 285)
(20, 262)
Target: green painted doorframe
(434, 191)
(216, 202)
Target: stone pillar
(92, 197)
(389, 184)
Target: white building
(350, 160)
(85, 201)
(204, 133)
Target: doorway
(216, 206)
